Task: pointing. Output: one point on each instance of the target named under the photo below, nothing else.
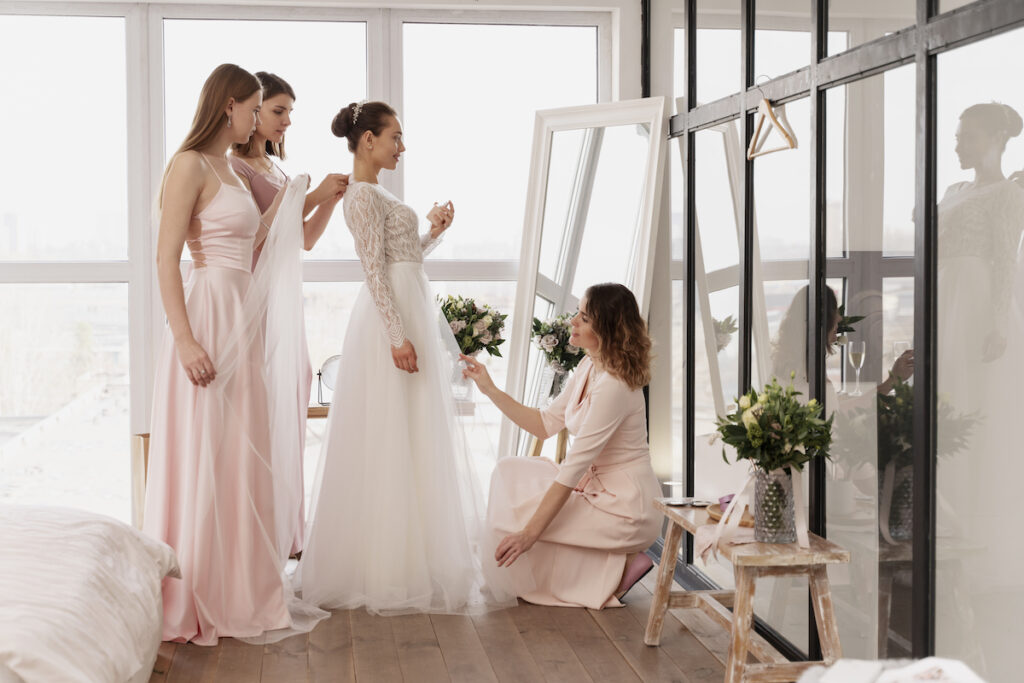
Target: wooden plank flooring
(523, 644)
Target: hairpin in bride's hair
(355, 112)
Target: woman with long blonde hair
(214, 465)
(574, 534)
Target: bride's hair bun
(995, 117)
(1014, 124)
(342, 123)
(358, 117)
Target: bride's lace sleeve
(427, 243)
(365, 212)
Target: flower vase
(774, 514)
(898, 515)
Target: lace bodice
(385, 231)
(985, 223)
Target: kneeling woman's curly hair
(624, 345)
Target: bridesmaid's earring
(229, 122)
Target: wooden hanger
(776, 118)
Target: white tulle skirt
(397, 517)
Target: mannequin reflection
(980, 224)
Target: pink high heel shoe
(637, 569)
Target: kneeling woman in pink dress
(574, 534)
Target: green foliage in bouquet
(552, 337)
(896, 427)
(476, 327)
(773, 429)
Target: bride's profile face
(583, 334)
(974, 144)
(387, 147)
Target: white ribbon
(734, 512)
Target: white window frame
(618, 57)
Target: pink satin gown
(209, 492)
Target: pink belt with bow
(593, 472)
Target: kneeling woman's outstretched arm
(527, 418)
(514, 545)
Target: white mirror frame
(649, 112)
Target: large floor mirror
(595, 177)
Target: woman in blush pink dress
(574, 534)
(253, 161)
(211, 481)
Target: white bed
(79, 596)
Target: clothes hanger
(776, 120)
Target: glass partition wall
(899, 207)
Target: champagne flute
(857, 350)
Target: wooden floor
(523, 644)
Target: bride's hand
(404, 357)
(196, 362)
(512, 546)
(476, 371)
(440, 218)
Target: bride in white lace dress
(397, 514)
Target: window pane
(718, 49)
(64, 435)
(782, 196)
(679, 63)
(479, 156)
(716, 354)
(324, 62)
(83, 215)
(949, 5)
(870, 188)
(979, 587)
(782, 37)
(863, 22)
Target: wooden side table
(750, 562)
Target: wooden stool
(750, 562)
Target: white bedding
(79, 596)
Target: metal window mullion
(748, 11)
(689, 237)
(925, 317)
(816, 284)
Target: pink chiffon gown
(265, 186)
(580, 557)
(210, 492)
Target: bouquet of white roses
(773, 429)
(552, 337)
(476, 327)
